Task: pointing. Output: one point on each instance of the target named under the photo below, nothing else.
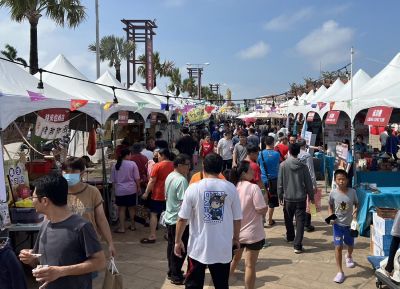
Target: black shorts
(126, 201)
(273, 200)
(255, 246)
(157, 206)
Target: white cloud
(174, 3)
(329, 44)
(286, 21)
(257, 50)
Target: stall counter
(381, 178)
(389, 197)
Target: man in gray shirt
(240, 151)
(294, 184)
(67, 250)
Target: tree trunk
(33, 56)
(118, 72)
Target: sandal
(147, 241)
(118, 231)
(132, 228)
(271, 223)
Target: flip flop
(271, 223)
(118, 231)
(132, 228)
(147, 241)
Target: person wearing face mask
(86, 201)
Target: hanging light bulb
(40, 83)
(115, 100)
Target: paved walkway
(145, 266)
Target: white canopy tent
(15, 102)
(330, 93)
(140, 90)
(319, 93)
(342, 98)
(382, 90)
(80, 89)
(108, 79)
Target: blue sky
(255, 47)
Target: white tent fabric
(343, 97)
(108, 79)
(79, 89)
(383, 89)
(320, 91)
(15, 102)
(329, 95)
(145, 94)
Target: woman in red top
(156, 186)
(206, 146)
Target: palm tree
(176, 81)
(189, 86)
(159, 69)
(11, 53)
(70, 12)
(114, 49)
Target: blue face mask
(72, 179)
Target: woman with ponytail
(126, 184)
(252, 235)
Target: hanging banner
(77, 104)
(51, 130)
(378, 116)
(197, 115)
(54, 114)
(123, 117)
(34, 96)
(321, 105)
(332, 117)
(310, 116)
(149, 65)
(153, 119)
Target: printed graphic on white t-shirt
(214, 206)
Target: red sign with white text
(310, 116)
(332, 117)
(123, 117)
(378, 116)
(54, 114)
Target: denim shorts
(342, 234)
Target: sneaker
(339, 278)
(178, 281)
(349, 262)
(267, 244)
(298, 251)
(310, 228)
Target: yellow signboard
(197, 115)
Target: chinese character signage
(52, 123)
(378, 116)
(149, 65)
(332, 117)
(123, 117)
(310, 116)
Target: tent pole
(3, 191)
(351, 116)
(106, 195)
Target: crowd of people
(213, 216)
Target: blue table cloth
(381, 178)
(388, 198)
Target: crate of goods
(382, 225)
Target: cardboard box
(378, 251)
(383, 241)
(381, 225)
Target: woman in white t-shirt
(252, 234)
